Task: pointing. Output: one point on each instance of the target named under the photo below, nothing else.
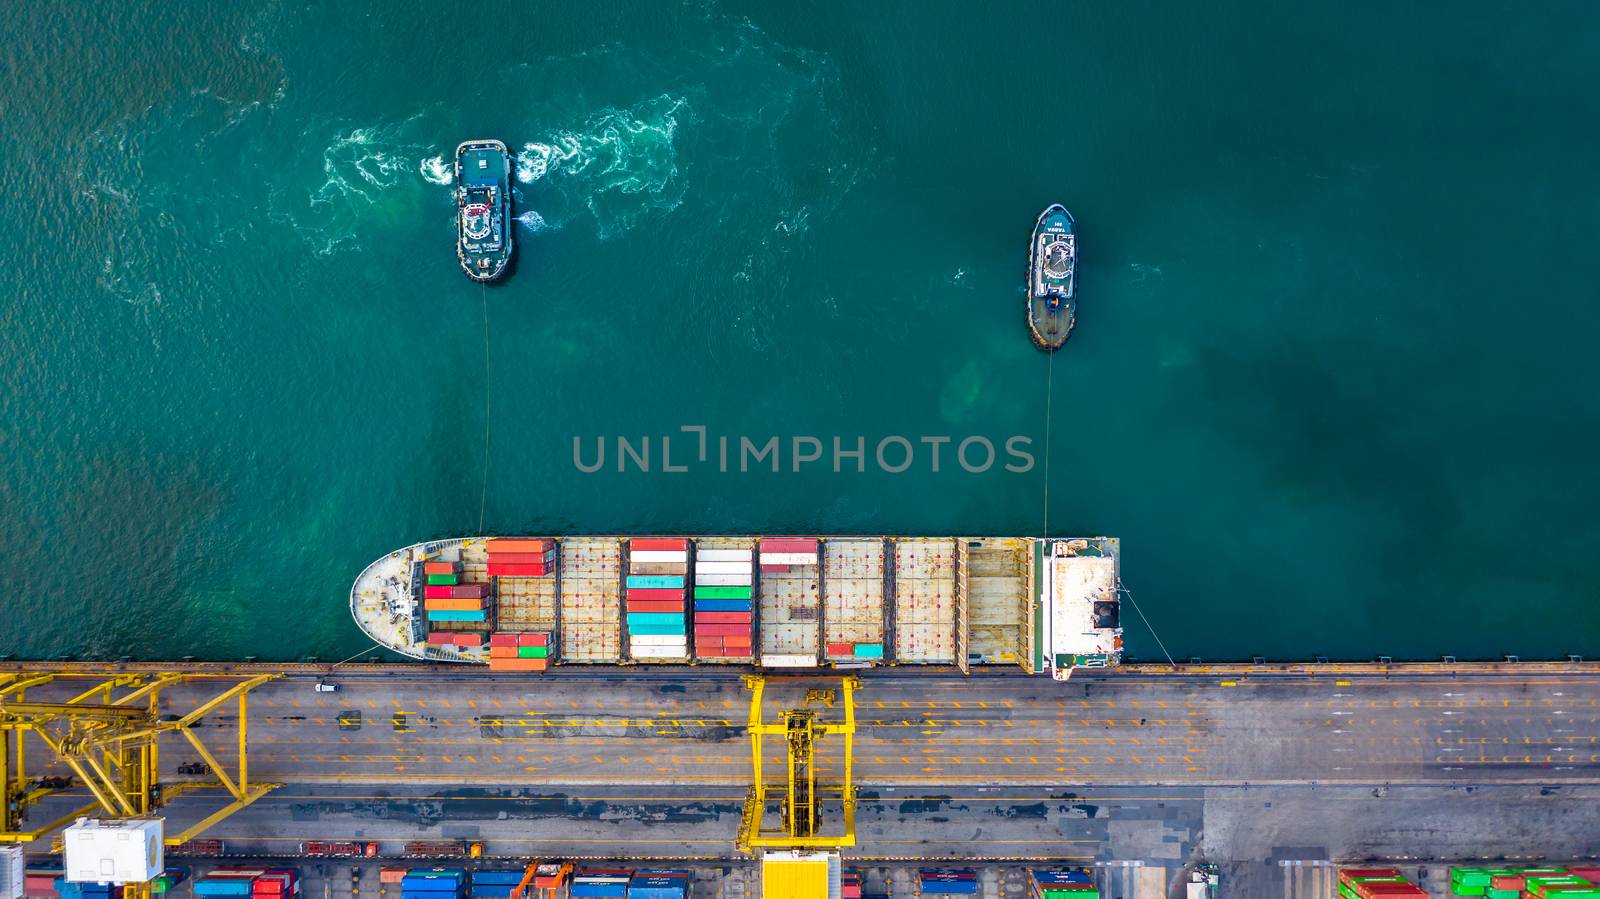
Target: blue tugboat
(483, 208)
(1052, 279)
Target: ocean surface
(1333, 382)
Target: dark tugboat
(483, 208)
(1052, 279)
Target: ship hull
(484, 237)
(1046, 605)
(1052, 302)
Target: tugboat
(483, 208)
(1052, 279)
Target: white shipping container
(659, 555)
(659, 652)
(722, 580)
(106, 851)
(658, 639)
(788, 558)
(722, 568)
(11, 874)
(773, 660)
(723, 555)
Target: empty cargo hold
(925, 599)
(998, 600)
(852, 599)
(789, 597)
(591, 599)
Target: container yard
(1045, 606)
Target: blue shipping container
(491, 890)
(950, 887)
(232, 886)
(599, 890)
(722, 605)
(509, 878)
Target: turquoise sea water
(1333, 381)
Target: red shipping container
(658, 544)
(788, 545)
(441, 591)
(522, 558)
(708, 639)
(722, 618)
(505, 570)
(711, 652)
(1587, 873)
(727, 630)
(503, 639)
(441, 638)
(438, 568)
(469, 639)
(655, 593)
(737, 641)
(774, 569)
(635, 605)
(539, 639)
(841, 649)
(469, 591)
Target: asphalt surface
(1272, 775)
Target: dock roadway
(1266, 770)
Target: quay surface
(1268, 769)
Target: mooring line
(1049, 390)
(483, 501)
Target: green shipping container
(722, 593)
(533, 652)
(1461, 889)
(1470, 877)
(869, 650)
(1493, 893)
(437, 580)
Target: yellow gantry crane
(106, 729)
(801, 730)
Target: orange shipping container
(517, 545)
(438, 568)
(391, 874)
(533, 640)
(453, 605)
(502, 652)
(518, 664)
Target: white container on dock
(113, 851)
(723, 555)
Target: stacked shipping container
(494, 884)
(658, 570)
(1061, 883)
(600, 883)
(790, 602)
(659, 884)
(1376, 883)
(724, 586)
(947, 882)
(434, 883)
(519, 652)
(1543, 882)
(849, 885)
(521, 557)
(256, 883)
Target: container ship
(1048, 606)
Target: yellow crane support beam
(801, 730)
(107, 732)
